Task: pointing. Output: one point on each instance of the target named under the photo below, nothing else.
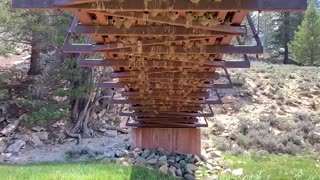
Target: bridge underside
(167, 57)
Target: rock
(161, 152)
(36, 140)
(171, 162)
(16, 146)
(179, 172)
(38, 129)
(237, 172)
(137, 150)
(6, 155)
(43, 136)
(23, 137)
(3, 146)
(109, 154)
(189, 177)
(151, 156)
(111, 133)
(228, 100)
(182, 163)
(119, 153)
(1, 158)
(164, 169)
(197, 158)
(316, 136)
(172, 172)
(152, 161)
(216, 154)
(2, 119)
(103, 130)
(131, 161)
(146, 153)
(140, 160)
(163, 158)
(191, 167)
(132, 154)
(177, 158)
(57, 124)
(177, 165)
(125, 163)
(120, 161)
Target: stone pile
(181, 166)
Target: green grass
(77, 171)
(275, 167)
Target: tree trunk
(82, 107)
(286, 38)
(35, 62)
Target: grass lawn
(273, 167)
(77, 171)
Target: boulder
(189, 177)
(179, 172)
(164, 169)
(140, 160)
(163, 158)
(182, 163)
(191, 168)
(172, 172)
(152, 161)
(151, 156)
(109, 154)
(36, 140)
(43, 136)
(237, 172)
(3, 146)
(111, 133)
(16, 146)
(146, 153)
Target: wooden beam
(175, 87)
(167, 75)
(155, 102)
(162, 63)
(147, 31)
(216, 49)
(165, 114)
(159, 5)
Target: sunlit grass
(275, 167)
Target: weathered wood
(139, 5)
(217, 49)
(173, 140)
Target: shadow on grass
(79, 171)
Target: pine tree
(305, 48)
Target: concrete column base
(181, 140)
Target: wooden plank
(175, 87)
(216, 49)
(149, 31)
(173, 102)
(160, 94)
(165, 114)
(166, 75)
(177, 5)
(162, 63)
(182, 22)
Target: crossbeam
(216, 49)
(159, 5)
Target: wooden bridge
(167, 57)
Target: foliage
(261, 166)
(78, 171)
(43, 111)
(306, 45)
(47, 28)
